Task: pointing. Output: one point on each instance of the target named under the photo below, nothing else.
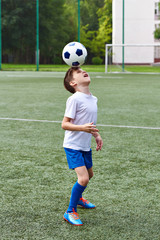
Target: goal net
(132, 57)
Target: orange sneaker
(85, 204)
(72, 218)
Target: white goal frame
(122, 55)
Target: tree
(58, 26)
(157, 34)
(53, 29)
(16, 29)
(105, 26)
(89, 13)
(157, 31)
(71, 20)
(96, 38)
(19, 29)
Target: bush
(97, 60)
(157, 33)
(57, 60)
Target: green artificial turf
(89, 68)
(35, 182)
(49, 67)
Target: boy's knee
(83, 181)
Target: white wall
(139, 29)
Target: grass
(35, 182)
(134, 68)
(89, 68)
(47, 67)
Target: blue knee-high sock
(76, 193)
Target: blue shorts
(78, 158)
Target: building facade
(141, 18)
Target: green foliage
(105, 23)
(19, 28)
(70, 16)
(96, 39)
(17, 31)
(89, 14)
(58, 26)
(52, 28)
(97, 60)
(157, 33)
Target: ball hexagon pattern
(74, 54)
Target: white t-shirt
(81, 108)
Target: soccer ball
(74, 54)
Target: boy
(79, 122)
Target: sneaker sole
(85, 207)
(72, 223)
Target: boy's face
(81, 77)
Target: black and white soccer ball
(74, 54)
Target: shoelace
(74, 215)
(83, 200)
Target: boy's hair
(68, 78)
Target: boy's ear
(73, 83)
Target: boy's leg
(83, 202)
(90, 173)
(82, 175)
(78, 188)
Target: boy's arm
(98, 139)
(88, 127)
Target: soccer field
(35, 182)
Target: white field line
(29, 120)
(106, 77)
(121, 126)
(54, 76)
(101, 125)
(32, 76)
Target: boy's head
(75, 77)
(68, 78)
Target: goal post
(134, 55)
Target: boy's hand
(89, 128)
(99, 141)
